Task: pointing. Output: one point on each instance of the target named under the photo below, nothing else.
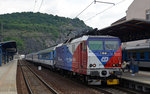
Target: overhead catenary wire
(85, 9)
(41, 5)
(105, 10)
(103, 2)
(99, 13)
(35, 1)
(91, 4)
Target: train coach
(45, 57)
(138, 50)
(94, 59)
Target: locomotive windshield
(96, 45)
(111, 45)
(108, 44)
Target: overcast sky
(71, 8)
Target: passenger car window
(134, 55)
(129, 55)
(142, 55)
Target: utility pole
(1, 37)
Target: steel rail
(46, 84)
(26, 82)
(102, 90)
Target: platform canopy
(7, 51)
(9, 46)
(128, 30)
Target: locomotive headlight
(113, 65)
(94, 65)
(103, 53)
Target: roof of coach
(30, 54)
(46, 50)
(140, 44)
(50, 49)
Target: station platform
(8, 78)
(141, 77)
(139, 82)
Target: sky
(71, 8)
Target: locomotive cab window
(96, 45)
(111, 45)
(73, 48)
(81, 46)
(85, 46)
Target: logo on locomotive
(104, 59)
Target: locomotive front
(104, 59)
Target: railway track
(34, 83)
(98, 89)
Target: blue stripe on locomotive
(63, 58)
(110, 52)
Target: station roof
(9, 46)
(128, 30)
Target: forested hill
(37, 31)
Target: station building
(139, 9)
(7, 51)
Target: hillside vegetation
(37, 31)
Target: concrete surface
(8, 78)
(141, 77)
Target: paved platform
(8, 78)
(141, 77)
